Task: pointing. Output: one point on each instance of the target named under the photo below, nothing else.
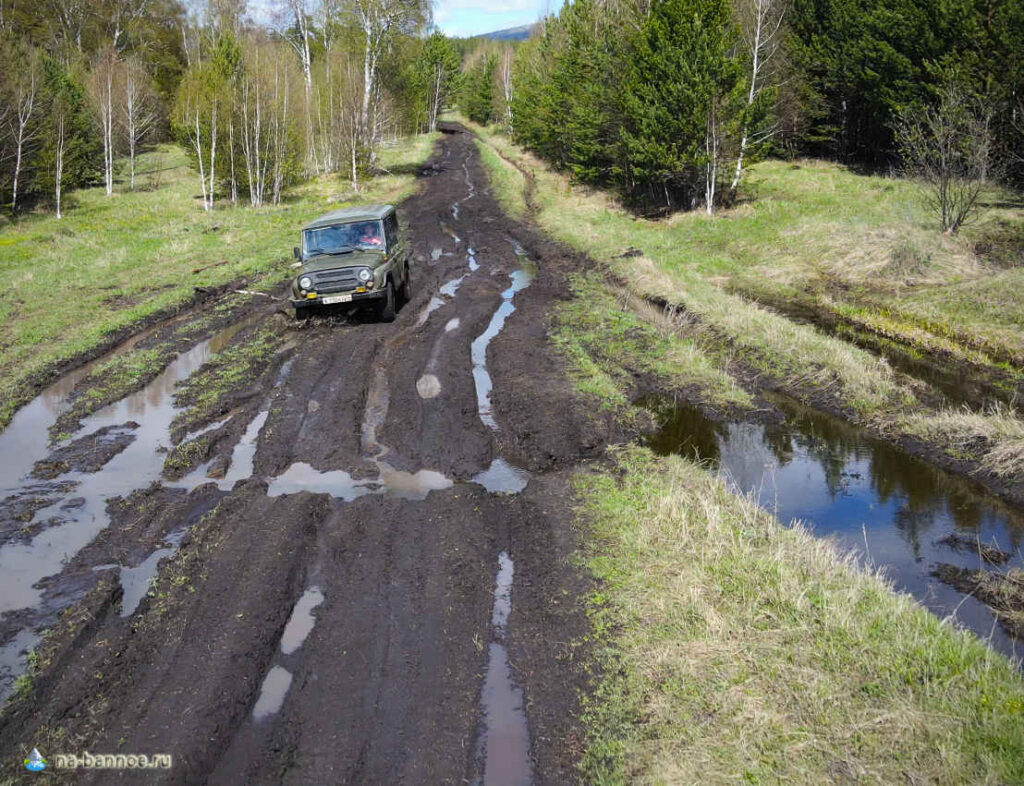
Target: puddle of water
(302, 477)
(12, 660)
(520, 280)
(209, 427)
(449, 289)
(886, 505)
(452, 324)
(243, 458)
(81, 511)
(517, 247)
(502, 594)
(244, 454)
(502, 478)
(25, 440)
(506, 740)
(412, 485)
(434, 304)
(301, 623)
(471, 260)
(428, 386)
(136, 581)
(341, 485)
(22, 565)
(275, 688)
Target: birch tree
(269, 137)
(71, 16)
(196, 124)
(438, 71)
(24, 97)
(761, 26)
(379, 21)
(137, 111)
(101, 90)
(301, 44)
(59, 162)
(123, 16)
(505, 75)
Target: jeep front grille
(341, 280)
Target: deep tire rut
(387, 682)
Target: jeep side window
(391, 229)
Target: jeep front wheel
(405, 293)
(386, 310)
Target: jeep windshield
(343, 238)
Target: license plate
(330, 301)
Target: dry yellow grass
(996, 435)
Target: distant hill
(520, 33)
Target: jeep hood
(361, 258)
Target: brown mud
(310, 597)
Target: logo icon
(35, 762)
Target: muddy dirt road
(364, 576)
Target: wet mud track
(367, 580)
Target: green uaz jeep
(356, 257)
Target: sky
(456, 17)
(471, 17)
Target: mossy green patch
(203, 395)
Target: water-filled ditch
(896, 511)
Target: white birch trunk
(59, 164)
(25, 106)
(198, 143)
(213, 150)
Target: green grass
(612, 347)
(802, 216)
(237, 367)
(672, 267)
(738, 650)
(66, 286)
(508, 182)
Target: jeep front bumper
(338, 298)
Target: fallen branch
(207, 267)
(252, 292)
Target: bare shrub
(949, 147)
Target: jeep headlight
(365, 274)
(306, 282)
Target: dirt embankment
(358, 497)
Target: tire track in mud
(333, 618)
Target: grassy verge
(612, 349)
(691, 261)
(735, 649)
(112, 262)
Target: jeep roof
(349, 214)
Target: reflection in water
(868, 494)
(71, 527)
(520, 280)
(275, 688)
(301, 623)
(24, 564)
(506, 739)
